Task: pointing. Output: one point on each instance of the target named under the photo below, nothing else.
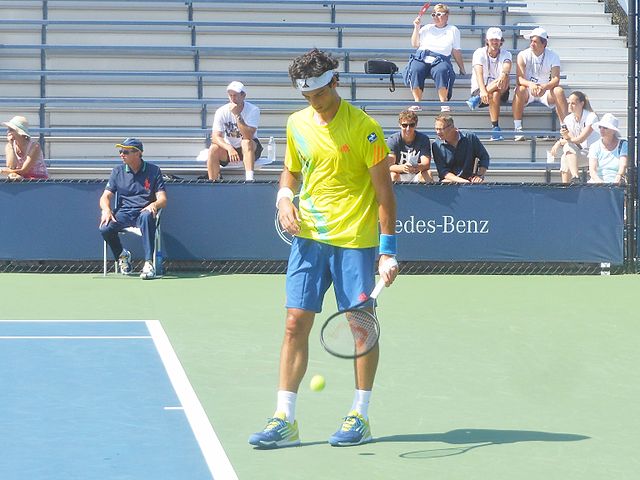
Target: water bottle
(159, 263)
(271, 150)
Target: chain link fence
(220, 267)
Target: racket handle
(378, 289)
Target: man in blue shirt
(459, 156)
(140, 195)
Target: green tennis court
(481, 377)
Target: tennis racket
(424, 9)
(353, 332)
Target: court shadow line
(473, 439)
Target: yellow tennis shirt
(337, 199)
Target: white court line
(215, 456)
(73, 337)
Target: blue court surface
(100, 400)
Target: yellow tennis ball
(317, 383)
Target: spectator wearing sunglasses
(608, 157)
(436, 43)
(410, 157)
(139, 189)
(490, 79)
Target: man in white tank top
(538, 80)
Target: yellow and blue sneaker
(355, 430)
(278, 433)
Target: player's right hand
(288, 216)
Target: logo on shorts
(372, 137)
(363, 297)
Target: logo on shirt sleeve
(372, 137)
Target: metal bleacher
(88, 73)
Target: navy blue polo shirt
(460, 159)
(135, 190)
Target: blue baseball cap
(131, 143)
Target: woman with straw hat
(608, 156)
(24, 156)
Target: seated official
(140, 195)
(460, 157)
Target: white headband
(313, 83)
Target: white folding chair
(157, 244)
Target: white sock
(248, 175)
(517, 124)
(361, 402)
(287, 404)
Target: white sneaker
(519, 135)
(148, 272)
(124, 262)
(445, 108)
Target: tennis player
(337, 161)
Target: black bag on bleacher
(379, 65)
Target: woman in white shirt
(578, 135)
(436, 43)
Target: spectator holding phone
(578, 134)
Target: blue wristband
(388, 245)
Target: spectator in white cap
(608, 156)
(23, 155)
(490, 78)
(234, 137)
(538, 79)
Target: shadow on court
(474, 438)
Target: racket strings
(351, 333)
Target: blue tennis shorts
(314, 266)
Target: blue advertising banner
(58, 220)
(510, 223)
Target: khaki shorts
(581, 153)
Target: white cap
(494, 33)
(237, 87)
(537, 32)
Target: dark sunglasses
(437, 14)
(407, 125)
(125, 152)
